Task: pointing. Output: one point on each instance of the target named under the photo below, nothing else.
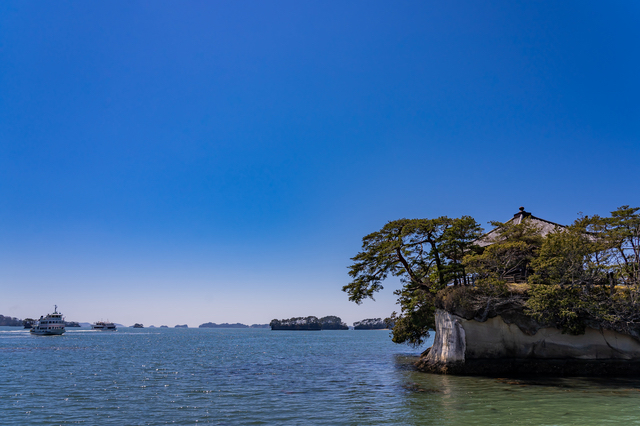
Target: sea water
(158, 376)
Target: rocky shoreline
(517, 345)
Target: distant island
(30, 322)
(332, 323)
(10, 321)
(224, 325)
(309, 323)
(371, 324)
(227, 325)
(182, 326)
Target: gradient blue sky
(184, 162)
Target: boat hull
(50, 332)
(104, 326)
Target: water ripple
(257, 377)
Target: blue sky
(186, 162)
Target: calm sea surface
(257, 376)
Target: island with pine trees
(309, 323)
(528, 297)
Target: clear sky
(194, 161)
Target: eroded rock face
(466, 346)
(450, 342)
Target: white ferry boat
(51, 325)
(105, 326)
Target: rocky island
(10, 321)
(529, 297)
(370, 324)
(309, 323)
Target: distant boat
(138, 325)
(104, 326)
(51, 325)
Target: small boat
(51, 325)
(138, 325)
(104, 326)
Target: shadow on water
(575, 383)
(459, 400)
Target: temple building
(519, 272)
(545, 226)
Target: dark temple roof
(546, 227)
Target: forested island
(529, 297)
(309, 323)
(371, 324)
(10, 321)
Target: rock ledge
(516, 346)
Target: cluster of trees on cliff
(585, 273)
(309, 323)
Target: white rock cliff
(459, 341)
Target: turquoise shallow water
(254, 377)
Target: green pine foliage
(426, 254)
(588, 275)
